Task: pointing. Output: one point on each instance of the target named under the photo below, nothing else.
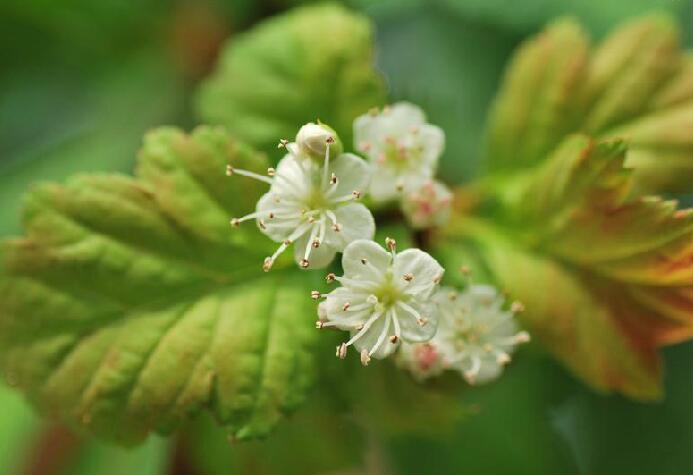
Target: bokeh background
(82, 80)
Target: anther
(437, 279)
(503, 358)
(304, 263)
(394, 339)
(364, 261)
(315, 294)
(365, 357)
(270, 215)
(329, 278)
(522, 337)
(229, 170)
(391, 244)
(356, 194)
(282, 143)
(267, 264)
(342, 351)
(336, 227)
(452, 296)
(319, 324)
(517, 307)
(316, 243)
(346, 306)
(235, 222)
(333, 179)
(271, 171)
(408, 276)
(262, 224)
(329, 139)
(422, 321)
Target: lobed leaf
(606, 277)
(311, 63)
(636, 85)
(130, 305)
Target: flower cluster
(475, 336)
(388, 301)
(404, 151)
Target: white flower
(385, 297)
(311, 206)
(427, 205)
(403, 148)
(476, 336)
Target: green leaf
(637, 84)
(17, 428)
(605, 276)
(312, 63)
(130, 305)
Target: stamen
(333, 179)
(326, 165)
(517, 307)
(282, 143)
(331, 277)
(230, 171)
(382, 336)
(345, 307)
(365, 328)
(342, 351)
(316, 295)
(305, 263)
(391, 244)
(365, 357)
(271, 171)
(408, 276)
(395, 321)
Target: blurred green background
(82, 80)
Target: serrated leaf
(311, 63)
(606, 277)
(636, 85)
(130, 305)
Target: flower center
(389, 293)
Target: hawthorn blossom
(427, 205)
(311, 204)
(402, 147)
(475, 336)
(385, 297)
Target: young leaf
(130, 305)
(605, 277)
(312, 63)
(636, 85)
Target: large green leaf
(130, 304)
(605, 277)
(311, 63)
(637, 85)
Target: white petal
(353, 174)
(432, 139)
(357, 223)
(277, 229)
(370, 339)
(292, 177)
(406, 115)
(377, 258)
(412, 331)
(383, 184)
(421, 265)
(319, 258)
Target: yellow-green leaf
(130, 304)
(311, 63)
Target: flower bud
(313, 139)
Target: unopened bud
(313, 139)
